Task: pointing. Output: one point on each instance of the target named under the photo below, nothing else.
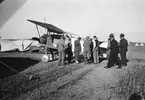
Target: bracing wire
(9, 67)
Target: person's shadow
(135, 96)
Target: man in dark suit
(69, 51)
(77, 49)
(114, 50)
(91, 58)
(123, 45)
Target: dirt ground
(77, 81)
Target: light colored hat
(87, 37)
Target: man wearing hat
(77, 49)
(114, 50)
(123, 45)
(61, 50)
(95, 50)
(87, 49)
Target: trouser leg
(60, 58)
(85, 56)
(88, 55)
(69, 57)
(77, 56)
(117, 60)
(111, 60)
(114, 59)
(123, 58)
(121, 54)
(63, 58)
(97, 57)
(94, 56)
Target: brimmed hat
(111, 35)
(79, 38)
(121, 35)
(87, 37)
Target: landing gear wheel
(45, 58)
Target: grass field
(78, 81)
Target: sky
(83, 17)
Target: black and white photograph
(72, 49)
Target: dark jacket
(123, 45)
(69, 48)
(114, 47)
(97, 44)
(77, 45)
(91, 46)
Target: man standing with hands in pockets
(95, 50)
(123, 45)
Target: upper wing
(50, 27)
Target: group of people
(90, 50)
(115, 48)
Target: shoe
(125, 64)
(106, 67)
(96, 63)
(119, 67)
(85, 62)
(63, 65)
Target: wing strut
(38, 31)
(47, 40)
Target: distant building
(136, 44)
(141, 44)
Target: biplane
(49, 40)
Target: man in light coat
(77, 49)
(87, 49)
(61, 50)
(95, 50)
